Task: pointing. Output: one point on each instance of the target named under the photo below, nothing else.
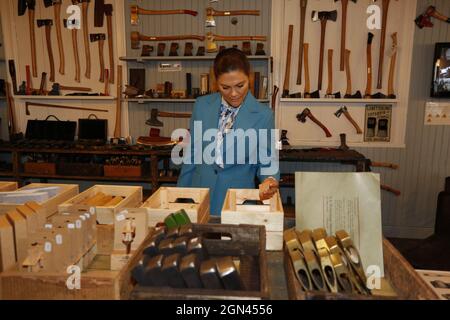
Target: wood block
(135, 217)
(19, 224)
(163, 203)
(7, 247)
(269, 214)
(39, 210)
(31, 217)
(119, 259)
(45, 241)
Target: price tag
(120, 217)
(48, 226)
(87, 215)
(78, 224)
(48, 247)
(71, 225)
(92, 210)
(59, 239)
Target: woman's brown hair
(229, 60)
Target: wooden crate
(123, 171)
(163, 203)
(105, 215)
(247, 243)
(97, 283)
(270, 215)
(8, 186)
(67, 191)
(45, 168)
(401, 281)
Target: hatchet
(323, 17)
(211, 39)
(344, 111)
(100, 38)
(136, 11)
(424, 20)
(211, 13)
(348, 93)
(344, 30)
(368, 92)
(30, 5)
(57, 16)
(330, 94)
(136, 38)
(306, 113)
(47, 23)
(75, 51)
(87, 50)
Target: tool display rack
(161, 25)
(153, 160)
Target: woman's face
(234, 87)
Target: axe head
(135, 40)
(355, 1)
(97, 37)
(211, 46)
(210, 21)
(370, 38)
(324, 15)
(423, 21)
(340, 111)
(49, 3)
(44, 22)
(302, 116)
(134, 11)
(24, 5)
(108, 10)
(99, 13)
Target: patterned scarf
(226, 121)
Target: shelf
(339, 101)
(77, 98)
(149, 100)
(182, 58)
(6, 174)
(93, 178)
(168, 179)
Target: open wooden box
(105, 215)
(97, 283)
(270, 214)
(246, 243)
(164, 202)
(401, 281)
(67, 191)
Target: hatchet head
(302, 116)
(24, 5)
(370, 38)
(135, 40)
(324, 15)
(99, 13)
(49, 3)
(211, 45)
(210, 21)
(97, 37)
(341, 110)
(108, 10)
(355, 1)
(44, 22)
(134, 11)
(424, 21)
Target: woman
(235, 161)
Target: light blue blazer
(234, 175)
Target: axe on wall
(211, 13)
(368, 93)
(344, 111)
(155, 122)
(308, 114)
(136, 38)
(136, 11)
(344, 30)
(100, 38)
(211, 45)
(23, 5)
(424, 20)
(87, 50)
(76, 55)
(57, 17)
(303, 5)
(47, 24)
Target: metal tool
(170, 271)
(301, 269)
(211, 13)
(209, 276)
(228, 273)
(315, 271)
(166, 247)
(190, 271)
(195, 246)
(153, 272)
(328, 271)
(180, 245)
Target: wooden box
(67, 191)
(164, 202)
(247, 244)
(105, 214)
(97, 283)
(401, 281)
(123, 171)
(45, 168)
(80, 169)
(8, 186)
(270, 214)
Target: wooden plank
(8, 186)
(19, 224)
(7, 248)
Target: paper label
(71, 225)
(48, 247)
(59, 239)
(78, 224)
(120, 217)
(48, 226)
(83, 217)
(92, 210)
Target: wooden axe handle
(353, 122)
(382, 43)
(392, 190)
(343, 32)
(330, 72)
(101, 45)
(320, 124)
(348, 73)
(303, 5)
(45, 105)
(171, 38)
(368, 91)
(164, 12)
(62, 62)
(392, 66)
(235, 13)
(48, 38)
(87, 50)
(82, 89)
(76, 55)
(287, 74)
(31, 15)
(306, 63)
(174, 115)
(111, 48)
(239, 38)
(384, 165)
(118, 128)
(10, 110)
(323, 24)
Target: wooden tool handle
(382, 43)
(76, 55)
(87, 50)
(384, 165)
(323, 24)
(173, 38)
(392, 190)
(353, 122)
(330, 72)
(62, 62)
(320, 124)
(343, 32)
(287, 74)
(45, 105)
(164, 12)
(48, 37)
(118, 128)
(10, 112)
(174, 115)
(106, 77)
(303, 5)
(218, 13)
(439, 16)
(368, 92)
(33, 42)
(43, 80)
(306, 63)
(392, 66)
(111, 49)
(101, 45)
(348, 73)
(83, 89)
(240, 38)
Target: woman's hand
(268, 188)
